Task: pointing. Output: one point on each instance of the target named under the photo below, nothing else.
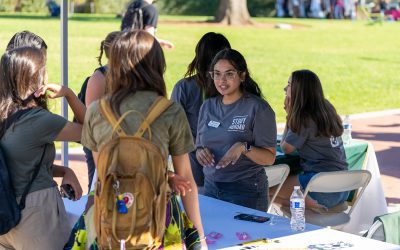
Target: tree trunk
(18, 6)
(233, 12)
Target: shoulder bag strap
(14, 117)
(35, 174)
(155, 110)
(110, 117)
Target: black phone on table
(251, 217)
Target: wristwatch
(247, 147)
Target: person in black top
(142, 14)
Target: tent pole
(64, 72)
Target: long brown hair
(136, 63)
(22, 72)
(307, 103)
(207, 47)
(106, 44)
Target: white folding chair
(337, 181)
(277, 175)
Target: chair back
(277, 175)
(340, 181)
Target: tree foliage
(168, 7)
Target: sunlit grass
(358, 63)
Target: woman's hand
(205, 157)
(70, 178)
(178, 184)
(55, 89)
(232, 155)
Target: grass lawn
(358, 63)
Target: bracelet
(203, 238)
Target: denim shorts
(250, 192)
(327, 200)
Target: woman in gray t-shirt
(236, 135)
(313, 128)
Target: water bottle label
(295, 204)
(346, 126)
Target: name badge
(214, 124)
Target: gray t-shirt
(250, 119)
(23, 145)
(318, 153)
(187, 93)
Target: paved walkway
(382, 129)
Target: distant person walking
(143, 15)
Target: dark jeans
(328, 200)
(90, 164)
(251, 192)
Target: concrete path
(382, 129)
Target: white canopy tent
(64, 71)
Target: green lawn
(358, 63)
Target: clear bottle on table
(346, 137)
(297, 209)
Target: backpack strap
(28, 187)
(8, 122)
(110, 117)
(14, 117)
(155, 110)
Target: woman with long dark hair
(192, 90)
(314, 129)
(236, 134)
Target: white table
(372, 203)
(218, 216)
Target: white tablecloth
(218, 216)
(372, 203)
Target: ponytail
(101, 53)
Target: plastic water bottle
(297, 207)
(346, 137)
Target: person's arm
(96, 87)
(69, 177)
(164, 43)
(259, 155)
(287, 148)
(71, 131)
(78, 108)
(190, 200)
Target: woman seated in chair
(313, 128)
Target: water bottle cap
(296, 187)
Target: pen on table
(262, 240)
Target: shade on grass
(358, 63)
